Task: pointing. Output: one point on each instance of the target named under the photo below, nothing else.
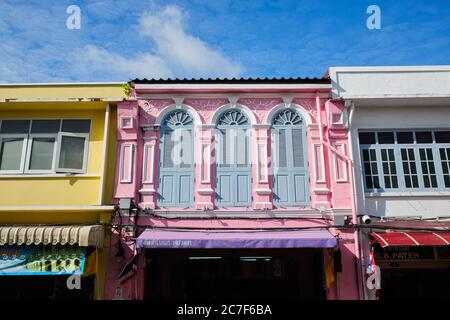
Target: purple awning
(235, 239)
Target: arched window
(176, 173)
(290, 172)
(233, 167)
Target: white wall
(390, 82)
(427, 205)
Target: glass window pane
(185, 148)
(403, 153)
(376, 183)
(405, 168)
(387, 182)
(385, 137)
(447, 181)
(374, 168)
(15, 126)
(367, 137)
(168, 145)
(394, 182)
(42, 154)
(405, 137)
(408, 182)
(367, 168)
(366, 155)
(383, 155)
(442, 136)
(281, 149)
(424, 137)
(45, 126)
(72, 153)
(297, 141)
(434, 181)
(241, 148)
(415, 181)
(426, 181)
(76, 126)
(11, 153)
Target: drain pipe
(359, 254)
(359, 267)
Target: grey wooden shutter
(176, 183)
(291, 184)
(233, 171)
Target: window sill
(50, 175)
(406, 194)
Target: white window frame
(31, 137)
(23, 136)
(85, 155)
(399, 161)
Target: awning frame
(165, 238)
(411, 238)
(82, 235)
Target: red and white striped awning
(397, 238)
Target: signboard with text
(41, 260)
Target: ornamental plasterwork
(259, 106)
(309, 104)
(151, 108)
(205, 106)
(260, 103)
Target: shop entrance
(44, 288)
(282, 274)
(414, 272)
(410, 284)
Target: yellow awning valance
(83, 236)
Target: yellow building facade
(57, 164)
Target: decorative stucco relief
(149, 109)
(206, 107)
(260, 106)
(310, 105)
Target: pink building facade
(260, 158)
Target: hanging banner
(41, 260)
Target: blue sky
(121, 40)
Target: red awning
(396, 238)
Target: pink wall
(137, 174)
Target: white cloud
(182, 50)
(176, 53)
(92, 60)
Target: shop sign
(41, 260)
(404, 253)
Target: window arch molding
(244, 109)
(280, 107)
(170, 108)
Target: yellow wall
(63, 190)
(67, 91)
(54, 217)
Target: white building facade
(399, 123)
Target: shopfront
(49, 262)
(234, 265)
(412, 265)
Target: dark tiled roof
(234, 80)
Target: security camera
(366, 219)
